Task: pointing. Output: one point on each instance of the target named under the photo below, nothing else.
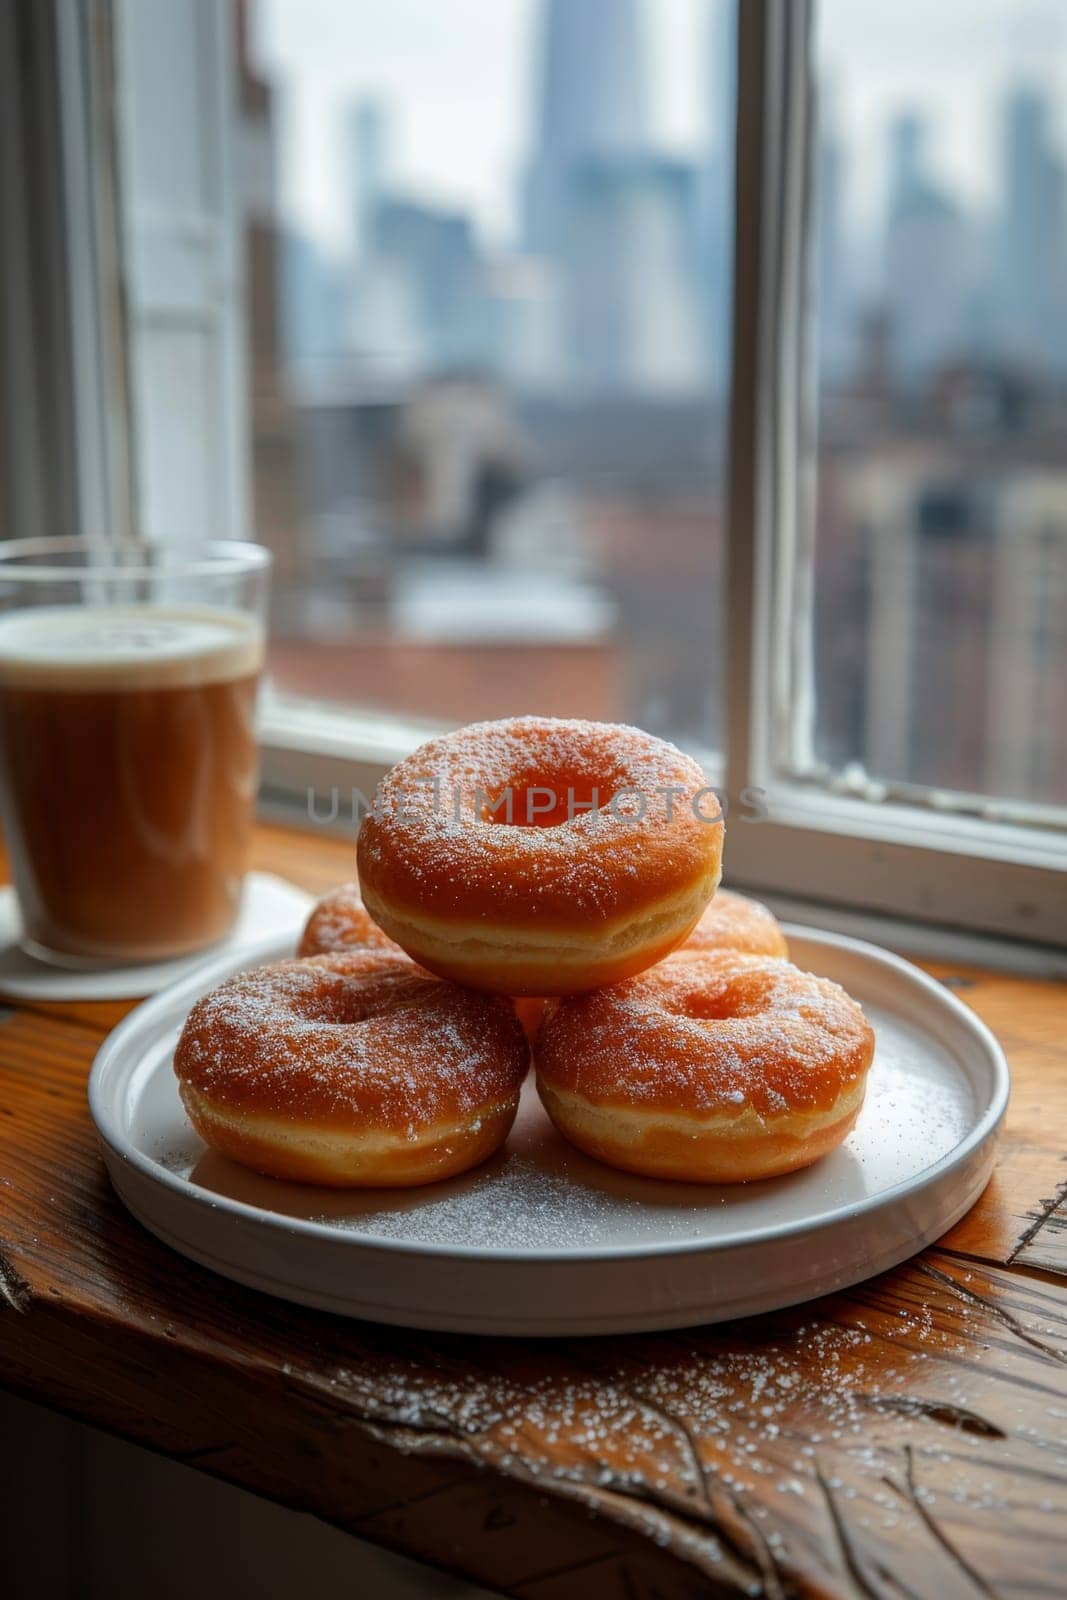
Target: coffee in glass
(128, 760)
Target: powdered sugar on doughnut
(734, 922)
(433, 841)
(710, 1034)
(363, 1036)
(341, 921)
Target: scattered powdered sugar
(832, 1416)
(516, 1205)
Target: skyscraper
(907, 156)
(1033, 259)
(633, 312)
(930, 260)
(593, 98)
(368, 154)
(591, 104)
(616, 221)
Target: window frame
(913, 861)
(180, 263)
(64, 465)
(916, 861)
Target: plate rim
(985, 1127)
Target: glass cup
(128, 759)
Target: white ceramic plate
(542, 1240)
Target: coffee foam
(126, 647)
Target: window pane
(488, 247)
(940, 595)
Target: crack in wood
(690, 1449)
(853, 1565)
(1014, 1469)
(1047, 1210)
(759, 1552)
(910, 1493)
(683, 1526)
(15, 1292)
(758, 1556)
(773, 1579)
(1002, 1316)
(436, 1432)
(754, 1553)
(433, 1424)
(945, 1411)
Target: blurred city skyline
(928, 219)
(489, 391)
(951, 61)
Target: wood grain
(907, 1438)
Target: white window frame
(915, 862)
(911, 861)
(182, 266)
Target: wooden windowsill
(905, 1437)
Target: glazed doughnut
(711, 1068)
(351, 1070)
(340, 921)
(734, 922)
(567, 897)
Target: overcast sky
(457, 76)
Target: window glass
(939, 610)
(488, 250)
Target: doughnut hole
(745, 996)
(548, 799)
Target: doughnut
(340, 921)
(712, 1068)
(734, 922)
(539, 856)
(529, 1011)
(352, 1070)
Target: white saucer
(542, 1240)
(270, 905)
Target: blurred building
(430, 261)
(629, 256)
(1032, 285)
(591, 106)
(312, 304)
(941, 578)
(941, 558)
(635, 239)
(930, 260)
(369, 167)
